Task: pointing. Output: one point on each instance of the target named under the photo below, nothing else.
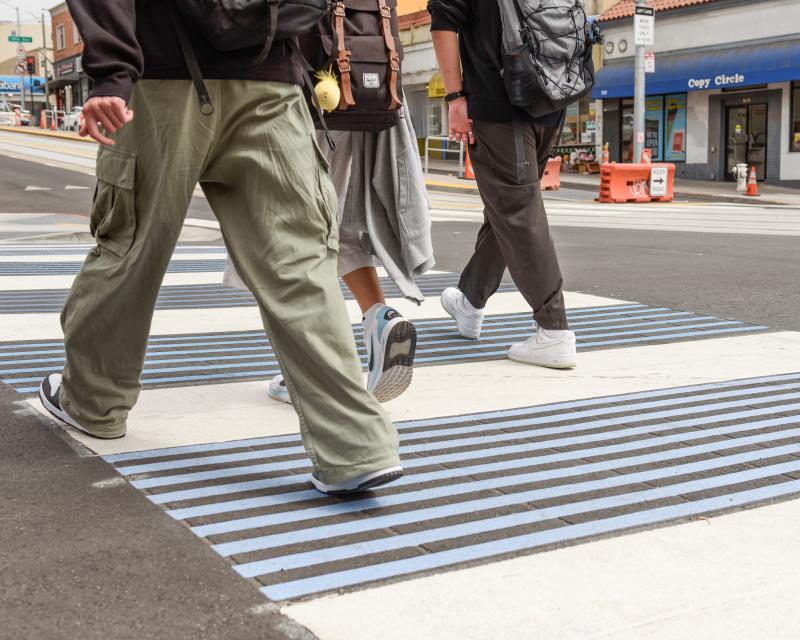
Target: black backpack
(359, 43)
(547, 53)
(230, 25)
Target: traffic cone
(469, 174)
(42, 120)
(605, 153)
(17, 118)
(53, 120)
(752, 185)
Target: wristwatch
(455, 95)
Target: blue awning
(726, 68)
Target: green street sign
(20, 39)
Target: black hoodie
(126, 40)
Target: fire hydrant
(740, 173)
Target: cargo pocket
(113, 219)
(326, 199)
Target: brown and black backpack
(358, 42)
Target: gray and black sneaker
(360, 483)
(48, 394)
(391, 344)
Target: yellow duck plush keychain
(327, 90)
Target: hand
(107, 112)
(460, 124)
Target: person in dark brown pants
(509, 150)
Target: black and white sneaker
(48, 394)
(360, 483)
(391, 344)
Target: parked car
(9, 108)
(72, 120)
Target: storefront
(34, 91)
(709, 109)
(578, 143)
(70, 84)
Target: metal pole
(44, 66)
(21, 75)
(638, 98)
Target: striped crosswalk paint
(483, 485)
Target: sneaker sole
(372, 483)
(64, 418)
(571, 364)
(398, 362)
(469, 335)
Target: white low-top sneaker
(468, 318)
(359, 483)
(547, 348)
(278, 391)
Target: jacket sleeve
(112, 56)
(448, 15)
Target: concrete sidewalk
(443, 177)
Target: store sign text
(719, 81)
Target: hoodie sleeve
(448, 15)
(112, 56)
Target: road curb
(34, 131)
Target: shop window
(675, 127)
(580, 125)
(665, 128)
(626, 130)
(61, 37)
(794, 128)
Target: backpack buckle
(386, 13)
(339, 10)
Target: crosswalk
(672, 415)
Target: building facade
(725, 90)
(70, 84)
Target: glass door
(747, 138)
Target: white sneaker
(391, 342)
(468, 318)
(363, 482)
(278, 391)
(547, 348)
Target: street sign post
(20, 39)
(658, 181)
(644, 23)
(643, 28)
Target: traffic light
(30, 61)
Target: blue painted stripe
(764, 387)
(437, 445)
(456, 472)
(396, 542)
(199, 511)
(340, 579)
(254, 522)
(516, 449)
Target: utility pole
(44, 67)
(643, 36)
(21, 75)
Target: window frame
(61, 37)
(76, 36)
(794, 115)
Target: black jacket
(125, 40)
(478, 25)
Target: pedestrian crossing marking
(466, 498)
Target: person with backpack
(508, 105)
(371, 147)
(250, 144)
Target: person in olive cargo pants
(259, 165)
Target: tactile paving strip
(205, 296)
(487, 485)
(193, 359)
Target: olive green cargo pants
(257, 160)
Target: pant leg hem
(334, 475)
(107, 431)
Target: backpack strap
(272, 28)
(343, 57)
(394, 57)
(204, 98)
